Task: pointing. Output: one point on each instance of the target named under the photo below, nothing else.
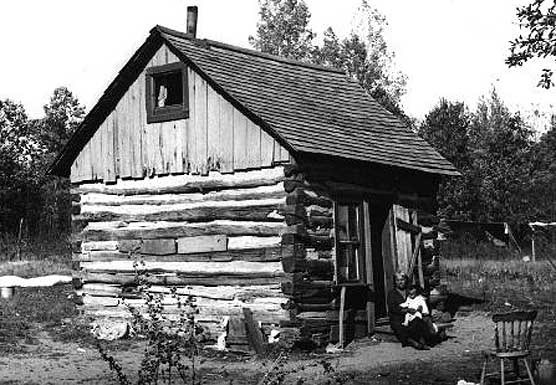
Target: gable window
(167, 96)
(350, 264)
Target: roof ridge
(246, 51)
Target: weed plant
(171, 344)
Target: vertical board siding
(253, 145)
(191, 132)
(97, 154)
(225, 156)
(267, 148)
(199, 126)
(215, 137)
(108, 149)
(76, 169)
(213, 129)
(136, 126)
(240, 141)
(121, 119)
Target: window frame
(157, 114)
(361, 279)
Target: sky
(447, 48)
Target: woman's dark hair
(400, 275)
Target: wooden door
(398, 244)
(407, 232)
(404, 246)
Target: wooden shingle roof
(309, 109)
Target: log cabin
(248, 181)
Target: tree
(495, 153)
(446, 128)
(283, 29)
(16, 141)
(538, 19)
(62, 116)
(364, 55)
(17, 152)
(501, 146)
(370, 25)
(542, 191)
(352, 56)
(27, 148)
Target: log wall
(218, 238)
(312, 188)
(262, 239)
(216, 136)
(312, 292)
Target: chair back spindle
(512, 331)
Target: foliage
(62, 116)
(501, 144)
(17, 146)
(539, 21)
(284, 30)
(28, 195)
(382, 81)
(172, 344)
(542, 184)
(446, 127)
(505, 174)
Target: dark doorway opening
(379, 215)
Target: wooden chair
(512, 337)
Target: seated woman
(415, 332)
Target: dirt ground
(364, 362)
(41, 343)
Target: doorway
(381, 256)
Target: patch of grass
(53, 247)
(509, 285)
(37, 256)
(37, 268)
(520, 284)
(45, 308)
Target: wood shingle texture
(309, 109)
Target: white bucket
(7, 292)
